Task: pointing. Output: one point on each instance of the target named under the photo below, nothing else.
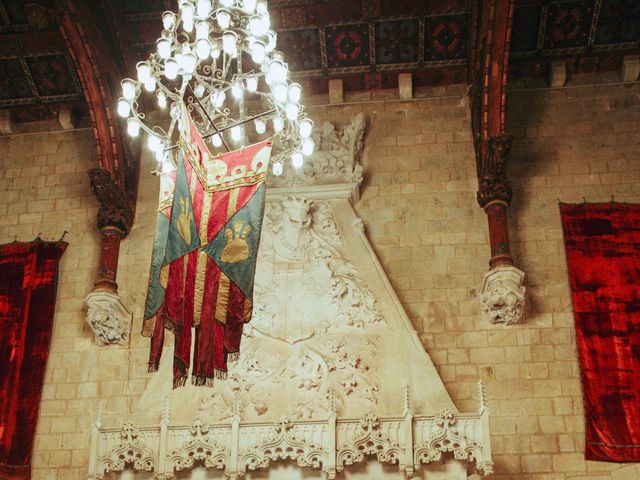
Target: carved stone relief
(334, 161)
(328, 342)
(296, 340)
(502, 295)
(108, 317)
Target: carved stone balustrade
(332, 445)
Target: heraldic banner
(204, 256)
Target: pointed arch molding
(94, 68)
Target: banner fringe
(179, 382)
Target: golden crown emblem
(236, 248)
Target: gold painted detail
(201, 267)
(213, 172)
(236, 249)
(222, 301)
(184, 221)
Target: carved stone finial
(237, 405)
(407, 398)
(358, 224)
(114, 209)
(331, 396)
(108, 317)
(99, 412)
(166, 411)
(492, 179)
(502, 295)
(482, 394)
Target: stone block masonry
(419, 209)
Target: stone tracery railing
(332, 445)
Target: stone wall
(418, 205)
(44, 189)
(419, 208)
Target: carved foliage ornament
(335, 159)
(445, 437)
(114, 208)
(304, 344)
(199, 447)
(131, 450)
(492, 178)
(369, 440)
(284, 442)
(108, 317)
(502, 296)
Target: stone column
(107, 315)
(502, 296)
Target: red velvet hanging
(603, 254)
(28, 274)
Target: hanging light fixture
(220, 58)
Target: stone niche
(332, 380)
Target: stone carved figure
(502, 297)
(335, 159)
(108, 317)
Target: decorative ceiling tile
(397, 41)
(568, 25)
(302, 48)
(52, 75)
(16, 11)
(326, 13)
(290, 17)
(35, 113)
(526, 25)
(619, 22)
(347, 45)
(421, 7)
(14, 83)
(446, 37)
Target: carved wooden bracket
(492, 179)
(115, 211)
(114, 220)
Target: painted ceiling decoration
(365, 42)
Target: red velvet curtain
(603, 254)
(28, 274)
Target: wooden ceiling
(366, 42)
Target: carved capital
(492, 178)
(108, 317)
(114, 210)
(502, 295)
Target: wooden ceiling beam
(492, 20)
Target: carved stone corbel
(108, 317)
(502, 296)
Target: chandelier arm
(227, 127)
(217, 131)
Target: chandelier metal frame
(218, 58)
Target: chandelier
(218, 58)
